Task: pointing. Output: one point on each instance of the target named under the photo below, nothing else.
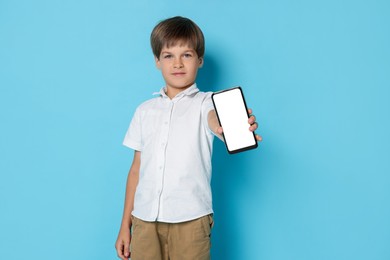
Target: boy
(168, 196)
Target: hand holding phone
(232, 114)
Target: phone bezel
(246, 109)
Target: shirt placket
(164, 135)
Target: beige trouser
(171, 241)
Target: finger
(119, 251)
(252, 119)
(249, 111)
(259, 138)
(220, 130)
(253, 127)
(127, 250)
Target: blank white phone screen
(233, 117)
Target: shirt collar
(187, 92)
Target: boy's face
(179, 65)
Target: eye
(187, 55)
(167, 56)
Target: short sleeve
(207, 106)
(133, 137)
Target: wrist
(126, 228)
(126, 224)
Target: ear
(157, 61)
(201, 61)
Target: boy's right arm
(122, 244)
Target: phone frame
(246, 109)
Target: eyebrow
(168, 52)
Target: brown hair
(175, 30)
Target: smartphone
(232, 114)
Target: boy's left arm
(217, 129)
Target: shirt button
(160, 167)
(166, 122)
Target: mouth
(178, 74)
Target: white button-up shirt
(176, 146)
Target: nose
(178, 63)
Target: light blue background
(316, 73)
